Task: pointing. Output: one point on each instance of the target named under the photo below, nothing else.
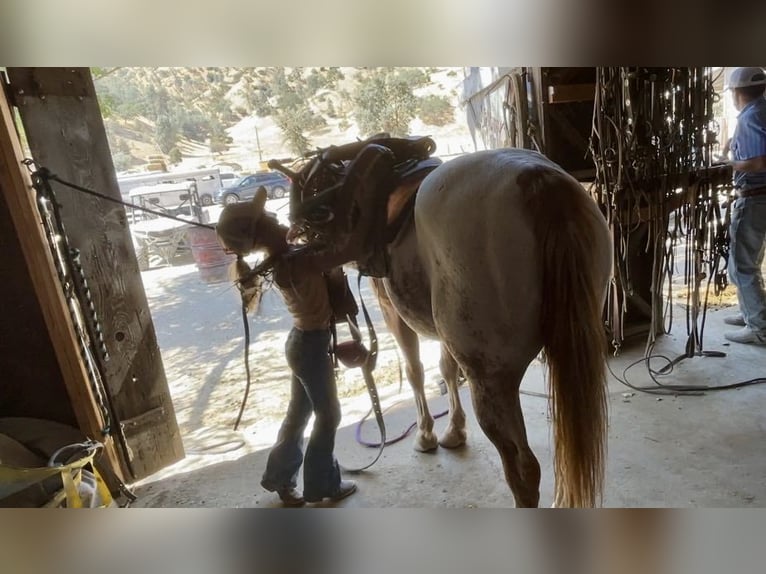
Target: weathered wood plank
(15, 185)
(63, 123)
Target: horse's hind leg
(407, 339)
(455, 435)
(498, 410)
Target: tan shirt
(305, 296)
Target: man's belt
(752, 192)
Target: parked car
(277, 185)
(228, 178)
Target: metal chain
(68, 271)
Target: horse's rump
(518, 258)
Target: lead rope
(369, 380)
(260, 270)
(246, 325)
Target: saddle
(392, 208)
(370, 182)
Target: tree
(166, 133)
(293, 97)
(290, 97)
(219, 140)
(194, 125)
(123, 161)
(175, 156)
(384, 101)
(436, 110)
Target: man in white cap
(748, 217)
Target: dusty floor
(669, 451)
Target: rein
(246, 325)
(261, 269)
(369, 380)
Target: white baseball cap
(745, 77)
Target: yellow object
(82, 487)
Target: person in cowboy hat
(299, 276)
(748, 218)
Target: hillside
(245, 115)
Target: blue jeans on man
(747, 242)
(312, 391)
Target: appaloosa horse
(507, 255)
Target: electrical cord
(665, 389)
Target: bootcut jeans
(746, 249)
(313, 390)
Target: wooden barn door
(65, 131)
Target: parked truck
(208, 182)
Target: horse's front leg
(455, 434)
(407, 339)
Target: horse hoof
(453, 439)
(426, 442)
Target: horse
(504, 256)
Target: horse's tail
(576, 259)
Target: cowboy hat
(237, 224)
(746, 77)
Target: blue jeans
(747, 242)
(312, 390)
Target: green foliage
(120, 98)
(166, 133)
(292, 98)
(180, 102)
(384, 100)
(219, 140)
(294, 134)
(436, 111)
(194, 125)
(123, 161)
(294, 122)
(164, 105)
(322, 79)
(107, 104)
(414, 77)
(261, 105)
(99, 73)
(175, 156)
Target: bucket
(212, 261)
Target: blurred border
(203, 541)
(392, 33)
(395, 33)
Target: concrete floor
(671, 451)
